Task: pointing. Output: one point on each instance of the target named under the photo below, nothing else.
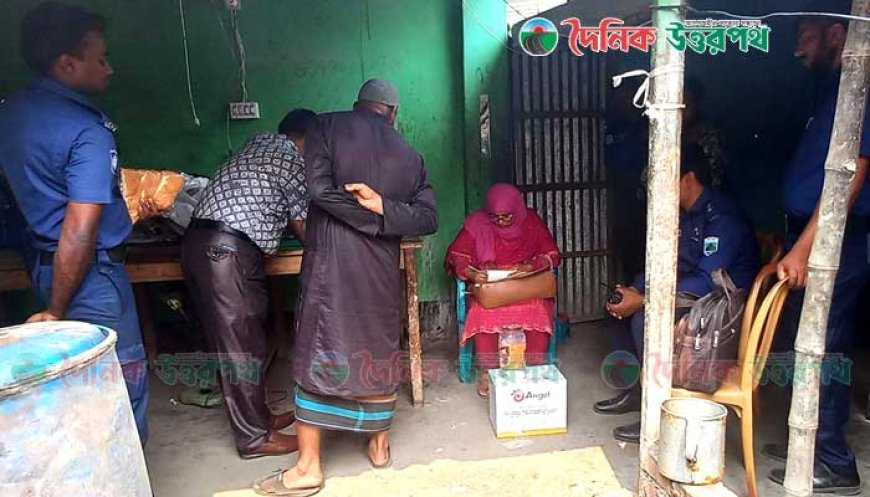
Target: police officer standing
(714, 235)
(57, 151)
(820, 46)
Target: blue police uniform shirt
(714, 234)
(57, 147)
(627, 153)
(802, 185)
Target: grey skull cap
(379, 91)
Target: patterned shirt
(258, 190)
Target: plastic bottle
(512, 349)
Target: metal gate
(558, 152)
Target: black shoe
(628, 433)
(628, 401)
(825, 481)
(776, 452)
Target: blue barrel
(66, 425)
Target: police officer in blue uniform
(714, 234)
(820, 46)
(57, 151)
(626, 154)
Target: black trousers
(227, 281)
(628, 217)
(835, 390)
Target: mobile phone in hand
(615, 296)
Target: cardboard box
(527, 402)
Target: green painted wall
(485, 67)
(299, 53)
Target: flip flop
(483, 388)
(384, 465)
(273, 486)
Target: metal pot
(692, 441)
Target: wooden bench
(146, 264)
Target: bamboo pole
(825, 255)
(666, 84)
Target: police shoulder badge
(109, 125)
(113, 157)
(711, 245)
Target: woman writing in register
(504, 235)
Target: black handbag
(706, 340)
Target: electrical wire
(480, 23)
(779, 14)
(243, 59)
(517, 12)
(232, 46)
(229, 139)
(187, 63)
(230, 43)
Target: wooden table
(162, 263)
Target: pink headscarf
(501, 198)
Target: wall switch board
(244, 110)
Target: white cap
(379, 91)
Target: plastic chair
(466, 352)
(756, 338)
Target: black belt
(855, 225)
(115, 254)
(220, 227)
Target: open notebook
(498, 274)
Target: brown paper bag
(160, 187)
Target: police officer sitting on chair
(57, 150)
(714, 234)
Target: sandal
(273, 486)
(483, 385)
(384, 465)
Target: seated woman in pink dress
(504, 235)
